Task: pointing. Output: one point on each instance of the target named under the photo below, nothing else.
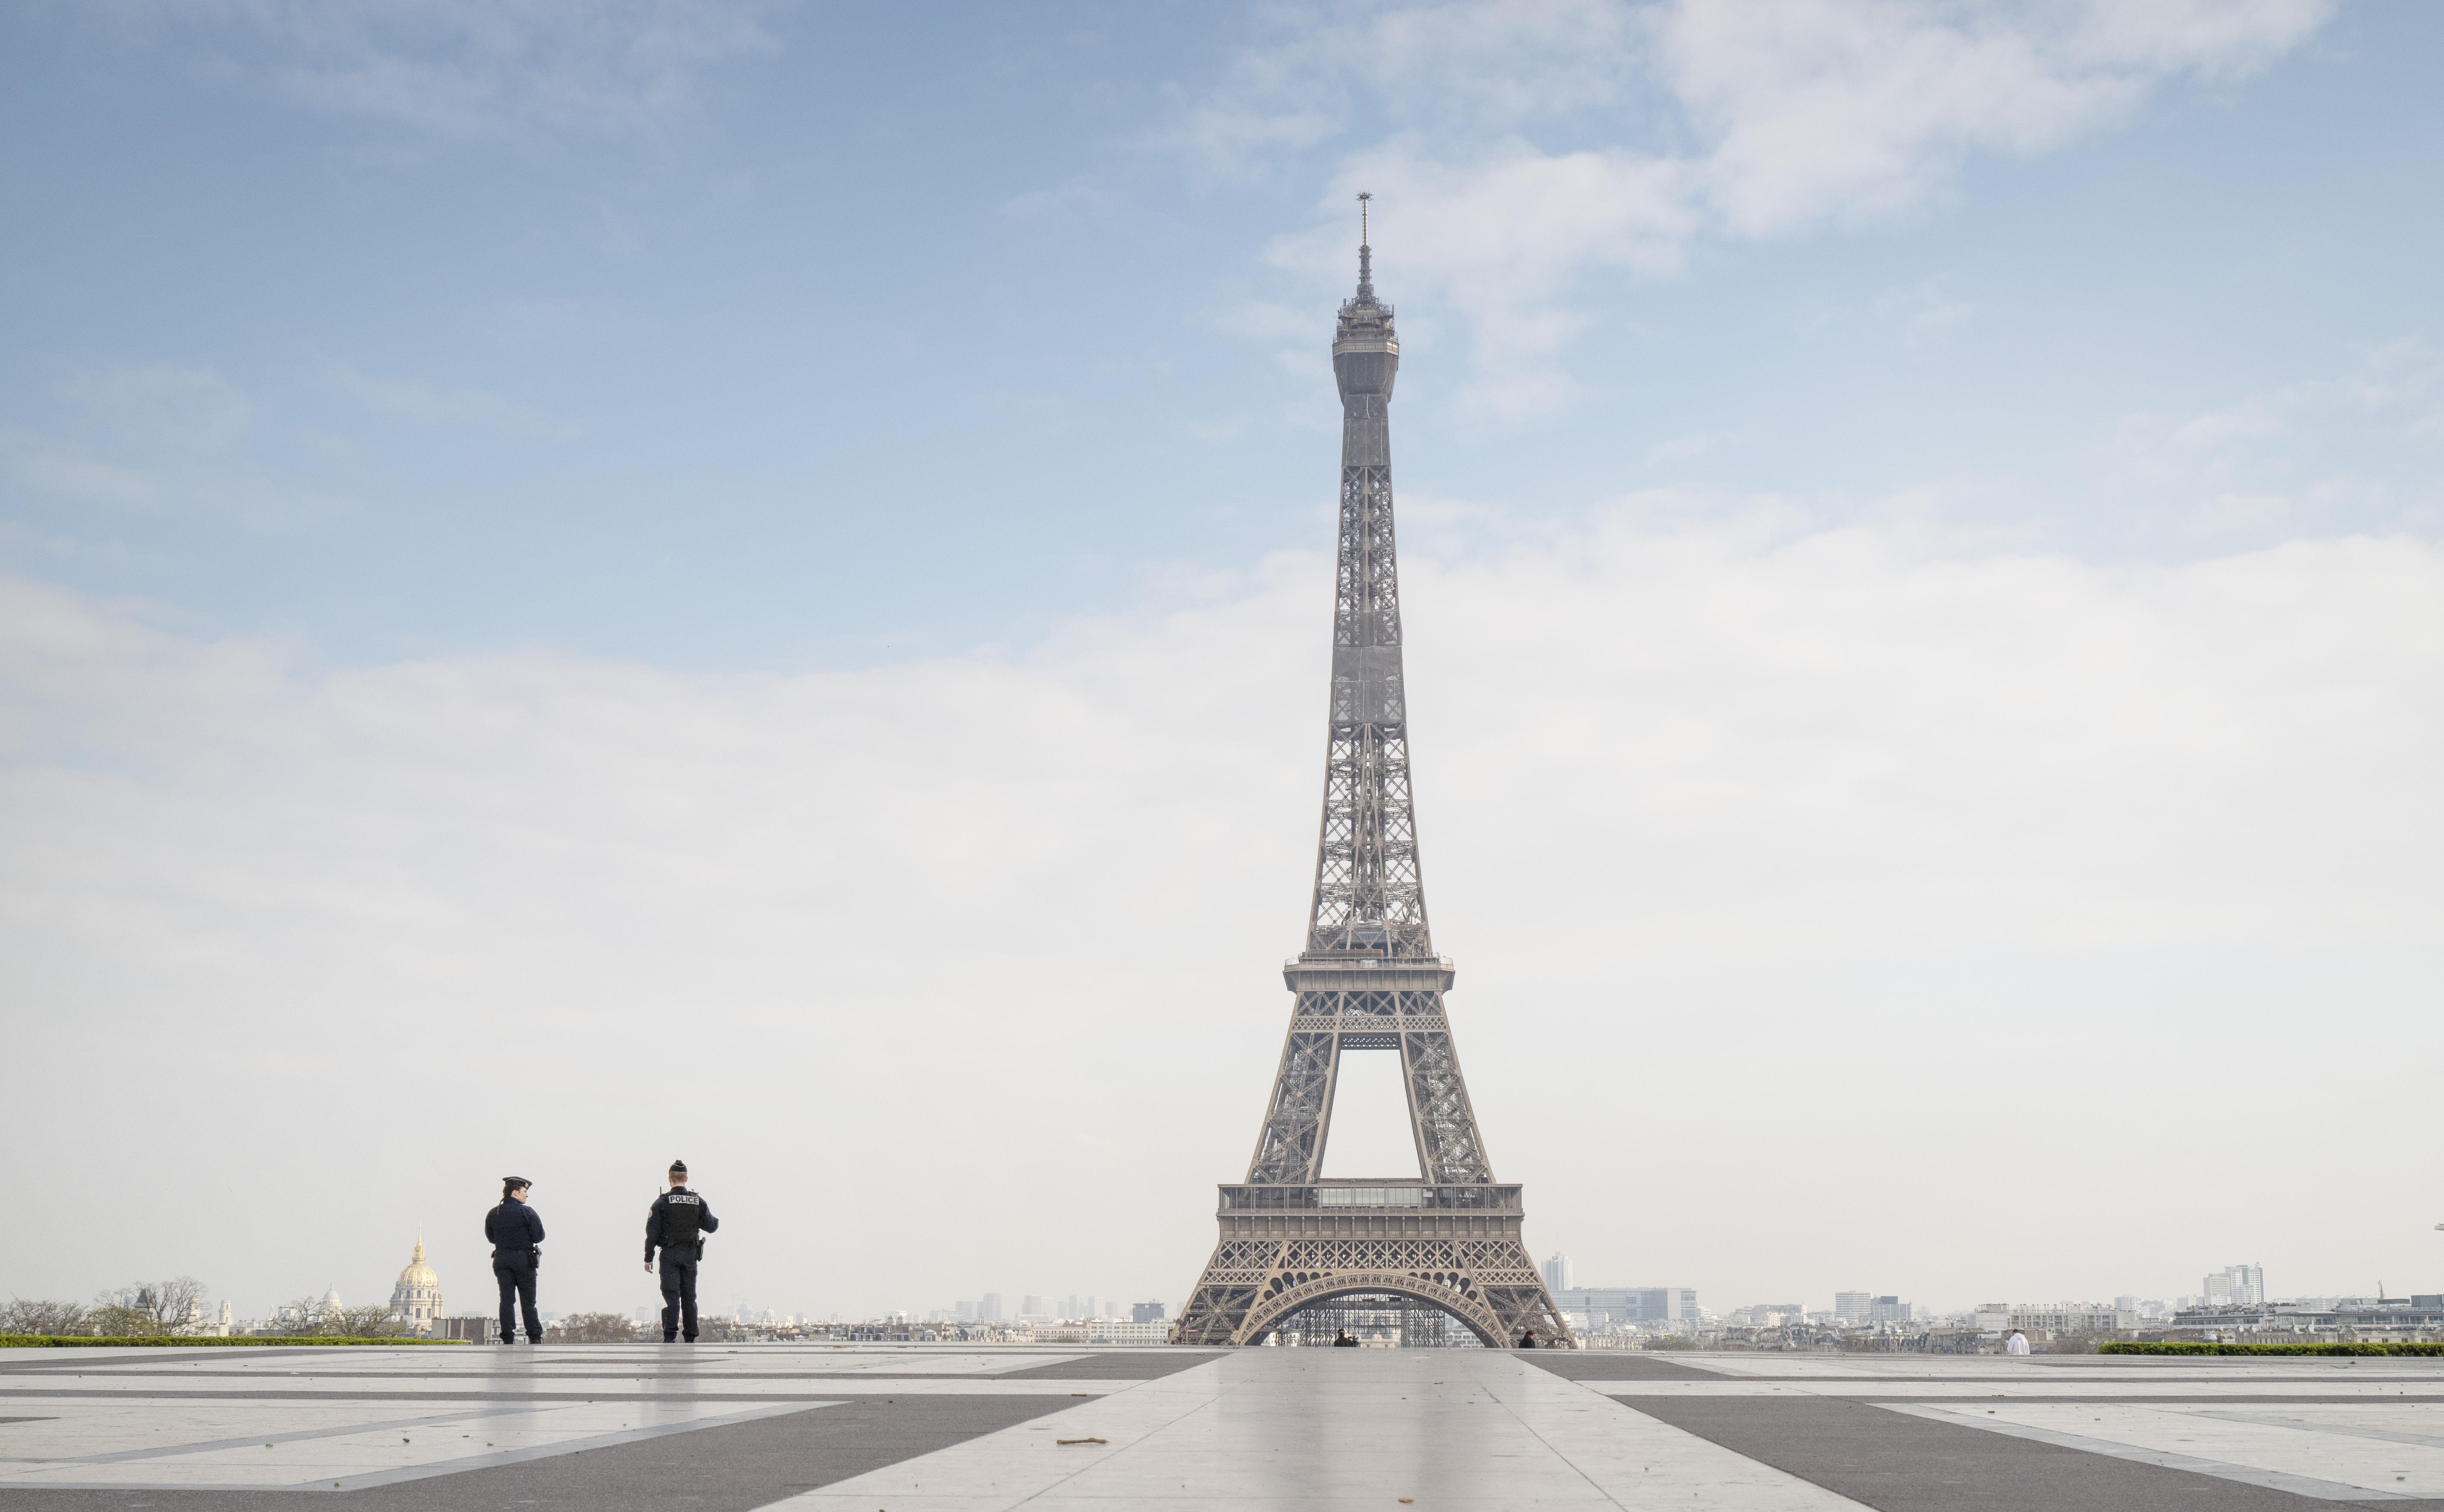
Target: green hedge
(2271, 1349)
(205, 1341)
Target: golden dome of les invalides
(416, 1300)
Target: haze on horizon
(582, 582)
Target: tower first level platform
(1288, 1247)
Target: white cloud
(1817, 110)
(1686, 448)
(489, 68)
(423, 403)
(2356, 449)
(1076, 197)
(156, 438)
(1741, 836)
(1532, 143)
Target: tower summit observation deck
(1368, 978)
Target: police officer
(676, 1224)
(516, 1233)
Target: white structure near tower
(2236, 1287)
(416, 1300)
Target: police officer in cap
(516, 1233)
(676, 1226)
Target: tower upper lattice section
(1369, 891)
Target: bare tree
(297, 1319)
(306, 1317)
(592, 1328)
(149, 1309)
(22, 1316)
(365, 1322)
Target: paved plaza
(951, 1428)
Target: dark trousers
(515, 1271)
(678, 1292)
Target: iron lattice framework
(1368, 980)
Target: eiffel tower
(1368, 980)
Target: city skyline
(783, 550)
(2240, 1284)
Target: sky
(582, 582)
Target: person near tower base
(676, 1224)
(517, 1234)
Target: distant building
(1605, 1306)
(416, 1300)
(1145, 1311)
(1867, 1309)
(1034, 1307)
(1765, 1315)
(2235, 1286)
(2069, 1318)
(1556, 1273)
(989, 1309)
(2363, 1319)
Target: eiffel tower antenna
(1365, 252)
(1447, 1237)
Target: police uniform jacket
(513, 1228)
(678, 1222)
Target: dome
(417, 1299)
(418, 1273)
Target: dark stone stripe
(1610, 1365)
(832, 1392)
(730, 1468)
(688, 1377)
(1898, 1462)
(1150, 1366)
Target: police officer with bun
(676, 1226)
(516, 1233)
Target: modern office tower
(1556, 1273)
(1613, 1307)
(2236, 1287)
